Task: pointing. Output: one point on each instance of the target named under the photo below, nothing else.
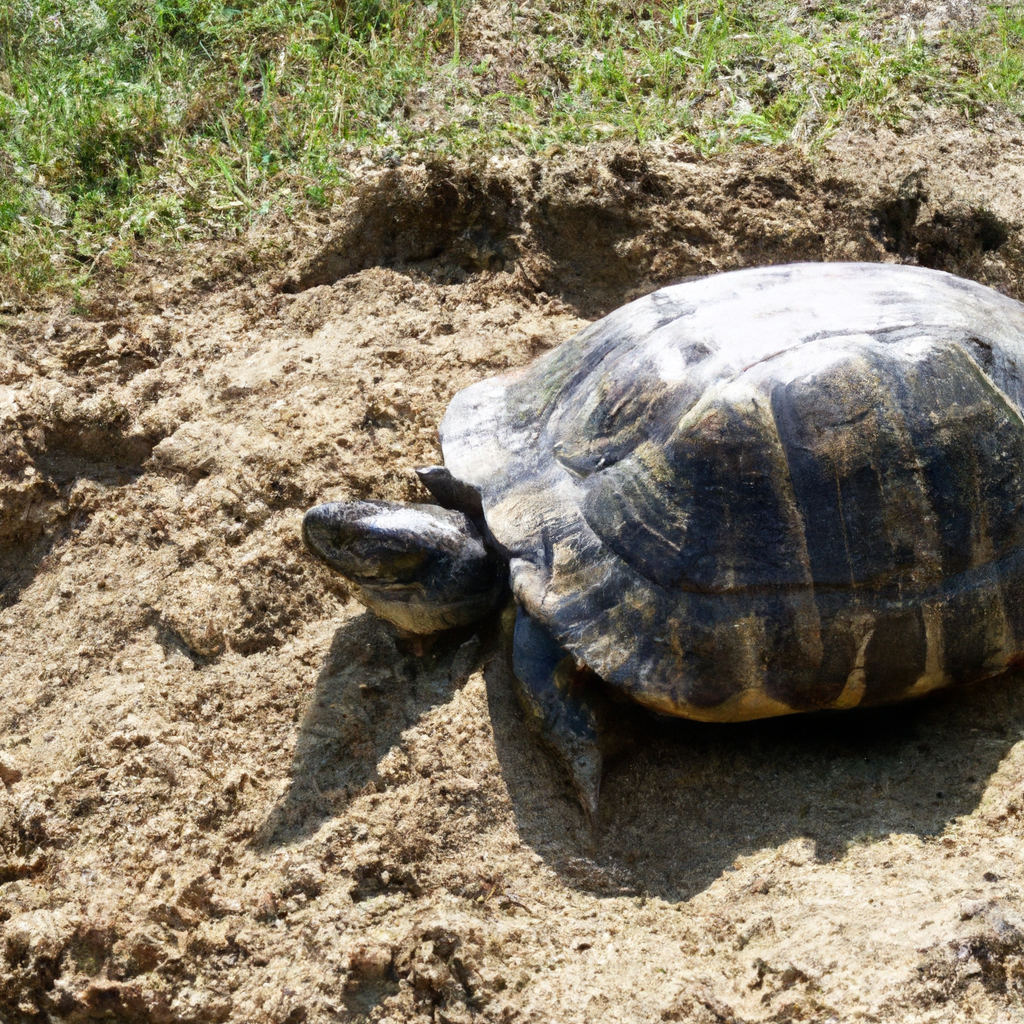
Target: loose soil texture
(229, 794)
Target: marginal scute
(767, 491)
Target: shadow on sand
(689, 799)
(368, 691)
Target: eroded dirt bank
(229, 795)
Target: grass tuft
(123, 121)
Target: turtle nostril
(318, 531)
(307, 539)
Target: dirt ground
(228, 794)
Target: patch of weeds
(989, 67)
(124, 122)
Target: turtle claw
(586, 773)
(566, 712)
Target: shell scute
(766, 491)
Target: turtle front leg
(566, 704)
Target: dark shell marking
(767, 491)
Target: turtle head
(422, 567)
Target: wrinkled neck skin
(421, 567)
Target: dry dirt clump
(227, 794)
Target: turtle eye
(361, 546)
(388, 542)
(383, 558)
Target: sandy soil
(230, 795)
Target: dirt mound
(600, 230)
(229, 795)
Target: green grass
(122, 120)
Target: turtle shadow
(368, 690)
(689, 798)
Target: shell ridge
(542, 456)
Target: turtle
(771, 490)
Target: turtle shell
(767, 491)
